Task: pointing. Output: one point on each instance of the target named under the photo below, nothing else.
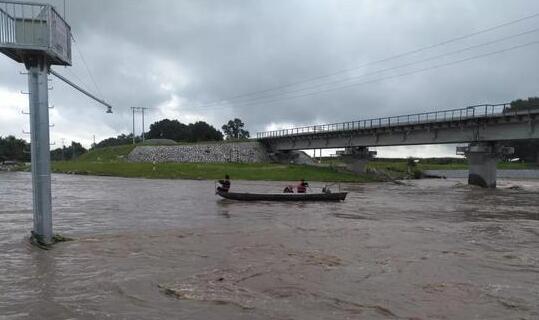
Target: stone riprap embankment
(212, 152)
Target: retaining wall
(250, 152)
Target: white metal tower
(36, 35)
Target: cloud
(12, 120)
(177, 56)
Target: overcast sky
(181, 57)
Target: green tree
(169, 129)
(234, 129)
(68, 153)
(14, 149)
(201, 131)
(118, 141)
(177, 131)
(525, 104)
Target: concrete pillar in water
(482, 159)
(356, 158)
(38, 69)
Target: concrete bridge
(485, 127)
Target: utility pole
(142, 123)
(141, 109)
(63, 148)
(133, 109)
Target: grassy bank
(107, 154)
(243, 171)
(111, 161)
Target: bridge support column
(482, 159)
(356, 158)
(482, 165)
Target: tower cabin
(28, 29)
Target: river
(170, 249)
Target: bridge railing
(470, 112)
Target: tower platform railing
(26, 26)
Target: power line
(86, 66)
(400, 55)
(395, 76)
(84, 84)
(264, 97)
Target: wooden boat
(338, 196)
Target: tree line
(524, 104)
(14, 149)
(180, 132)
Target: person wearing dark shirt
(225, 184)
(302, 186)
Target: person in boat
(288, 189)
(302, 186)
(225, 184)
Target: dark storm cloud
(177, 55)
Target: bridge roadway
(485, 127)
(482, 123)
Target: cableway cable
(355, 78)
(438, 66)
(397, 56)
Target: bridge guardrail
(470, 112)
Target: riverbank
(210, 171)
(423, 165)
(112, 161)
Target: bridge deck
(380, 131)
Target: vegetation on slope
(113, 153)
(111, 161)
(243, 171)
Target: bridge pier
(356, 158)
(482, 165)
(482, 159)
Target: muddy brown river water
(170, 249)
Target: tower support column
(38, 69)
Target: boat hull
(338, 196)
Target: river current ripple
(170, 249)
